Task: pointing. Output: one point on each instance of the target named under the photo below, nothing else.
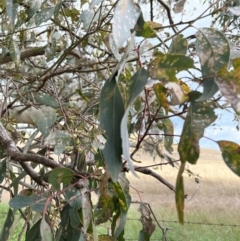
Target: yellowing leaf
(231, 155)
(200, 115)
(161, 93)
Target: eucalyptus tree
(82, 81)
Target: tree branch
(32, 52)
(14, 153)
(147, 171)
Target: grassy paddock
(215, 200)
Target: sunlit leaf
(231, 155)
(111, 113)
(12, 10)
(43, 15)
(47, 100)
(60, 175)
(44, 118)
(15, 53)
(165, 66)
(56, 12)
(179, 196)
(147, 223)
(136, 85)
(213, 50)
(4, 235)
(228, 83)
(45, 231)
(179, 45)
(200, 116)
(161, 93)
(144, 29)
(87, 17)
(124, 20)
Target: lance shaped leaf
(161, 93)
(124, 20)
(200, 116)
(229, 85)
(34, 232)
(44, 118)
(3, 169)
(137, 83)
(60, 175)
(179, 197)
(44, 15)
(4, 235)
(179, 45)
(165, 66)
(231, 155)
(35, 201)
(146, 220)
(168, 130)
(124, 201)
(45, 231)
(12, 10)
(213, 50)
(111, 114)
(86, 210)
(74, 218)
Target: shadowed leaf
(111, 114)
(60, 175)
(43, 15)
(231, 155)
(146, 220)
(145, 29)
(214, 52)
(3, 168)
(200, 116)
(7, 225)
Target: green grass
(17, 225)
(214, 201)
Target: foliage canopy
(81, 82)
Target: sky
(224, 128)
